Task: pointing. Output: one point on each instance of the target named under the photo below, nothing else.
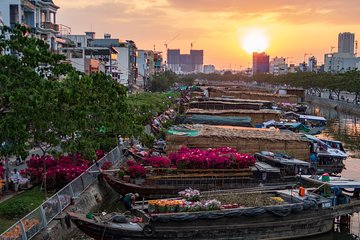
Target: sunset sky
(218, 26)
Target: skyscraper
(346, 43)
(260, 62)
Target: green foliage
(21, 204)
(162, 82)
(147, 140)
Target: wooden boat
(287, 165)
(328, 159)
(298, 216)
(205, 179)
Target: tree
(162, 81)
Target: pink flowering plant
(217, 158)
(189, 194)
(137, 171)
(157, 162)
(59, 172)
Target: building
(209, 69)
(143, 67)
(38, 15)
(260, 63)
(173, 60)
(126, 57)
(93, 59)
(312, 64)
(346, 42)
(1, 20)
(340, 62)
(158, 62)
(197, 60)
(185, 63)
(278, 66)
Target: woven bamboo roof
(244, 132)
(217, 112)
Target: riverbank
(340, 106)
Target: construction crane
(191, 45)
(306, 54)
(166, 44)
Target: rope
(102, 237)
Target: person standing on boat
(129, 200)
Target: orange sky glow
(292, 28)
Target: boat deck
(338, 182)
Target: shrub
(137, 171)
(59, 172)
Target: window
(77, 53)
(14, 15)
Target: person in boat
(129, 200)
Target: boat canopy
(312, 118)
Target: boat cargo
(285, 214)
(220, 105)
(277, 98)
(257, 116)
(247, 140)
(264, 104)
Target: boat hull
(263, 227)
(166, 190)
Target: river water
(345, 128)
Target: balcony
(50, 26)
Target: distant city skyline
(292, 28)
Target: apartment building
(38, 15)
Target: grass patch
(18, 206)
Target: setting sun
(255, 41)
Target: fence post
(23, 231)
(71, 191)
(43, 216)
(57, 195)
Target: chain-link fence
(39, 218)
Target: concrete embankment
(337, 105)
(89, 201)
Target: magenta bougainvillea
(59, 171)
(157, 162)
(217, 158)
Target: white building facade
(38, 15)
(340, 62)
(278, 66)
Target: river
(345, 128)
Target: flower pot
(139, 181)
(126, 178)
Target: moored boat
(211, 169)
(292, 216)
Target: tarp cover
(215, 120)
(182, 131)
(279, 210)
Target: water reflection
(346, 128)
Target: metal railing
(39, 218)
